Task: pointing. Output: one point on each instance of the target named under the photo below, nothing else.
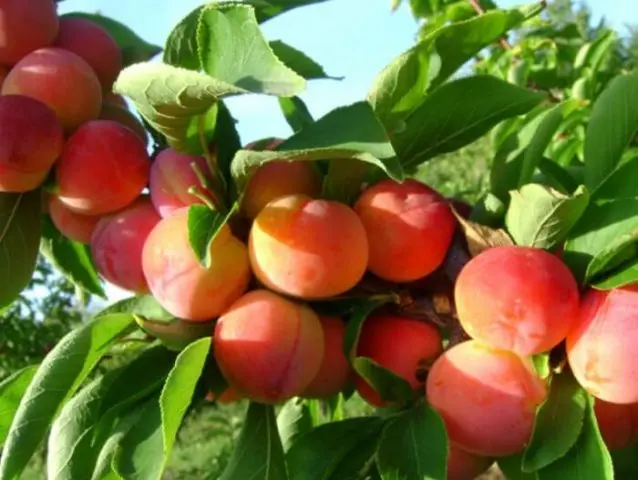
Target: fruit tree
(295, 274)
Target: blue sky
(350, 38)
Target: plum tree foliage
(296, 273)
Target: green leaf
(134, 49)
(267, 9)
(620, 184)
(613, 124)
(401, 86)
(458, 113)
(328, 450)
(12, 390)
(626, 274)
(298, 61)
(140, 305)
(59, 376)
(544, 134)
(559, 177)
(176, 334)
(364, 139)
(512, 467)
(542, 364)
(179, 389)
(258, 452)
(588, 458)
(139, 453)
(294, 420)
(541, 217)
(20, 230)
(600, 240)
(413, 446)
(72, 259)
(181, 44)
(625, 465)
(296, 113)
(233, 49)
(204, 225)
(70, 454)
(390, 386)
(558, 423)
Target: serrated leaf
(134, 49)
(558, 423)
(480, 237)
(390, 386)
(401, 86)
(541, 217)
(413, 446)
(544, 134)
(140, 305)
(204, 225)
(179, 389)
(317, 456)
(12, 390)
(588, 459)
(613, 124)
(600, 240)
(258, 453)
(294, 420)
(364, 140)
(296, 113)
(181, 44)
(139, 452)
(458, 113)
(72, 259)
(233, 49)
(20, 230)
(298, 61)
(60, 374)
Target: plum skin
(487, 398)
(269, 348)
(517, 298)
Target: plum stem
(218, 183)
(206, 200)
(505, 44)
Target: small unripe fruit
(517, 298)
(403, 345)
(307, 248)
(487, 398)
(601, 348)
(180, 283)
(94, 45)
(25, 26)
(104, 167)
(268, 348)
(62, 81)
(31, 140)
(335, 372)
(117, 244)
(74, 226)
(409, 228)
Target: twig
(505, 44)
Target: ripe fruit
(4, 71)
(112, 98)
(268, 348)
(601, 348)
(26, 26)
(462, 465)
(171, 176)
(487, 398)
(124, 117)
(62, 81)
(117, 244)
(94, 45)
(403, 345)
(276, 179)
(517, 298)
(308, 248)
(335, 371)
(31, 139)
(72, 225)
(103, 168)
(180, 283)
(618, 423)
(409, 227)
